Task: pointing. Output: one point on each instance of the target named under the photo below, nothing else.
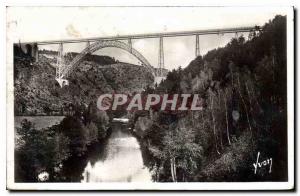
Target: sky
(57, 23)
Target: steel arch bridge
(62, 72)
(63, 69)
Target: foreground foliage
(46, 150)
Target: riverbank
(44, 151)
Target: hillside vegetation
(243, 86)
(38, 93)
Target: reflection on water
(122, 162)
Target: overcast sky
(55, 23)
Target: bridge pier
(130, 45)
(35, 52)
(161, 56)
(197, 50)
(60, 60)
(31, 50)
(88, 46)
(59, 67)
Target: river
(121, 160)
(117, 158)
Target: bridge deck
(153, 35)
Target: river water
(121, 160)
(117, 159)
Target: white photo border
(12, 185)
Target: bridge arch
(105, 44)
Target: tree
(182, 152)
(38, 151)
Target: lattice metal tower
(197, 51)
(88, 46)
(161, 65)
(60, 60)
(130, 44)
